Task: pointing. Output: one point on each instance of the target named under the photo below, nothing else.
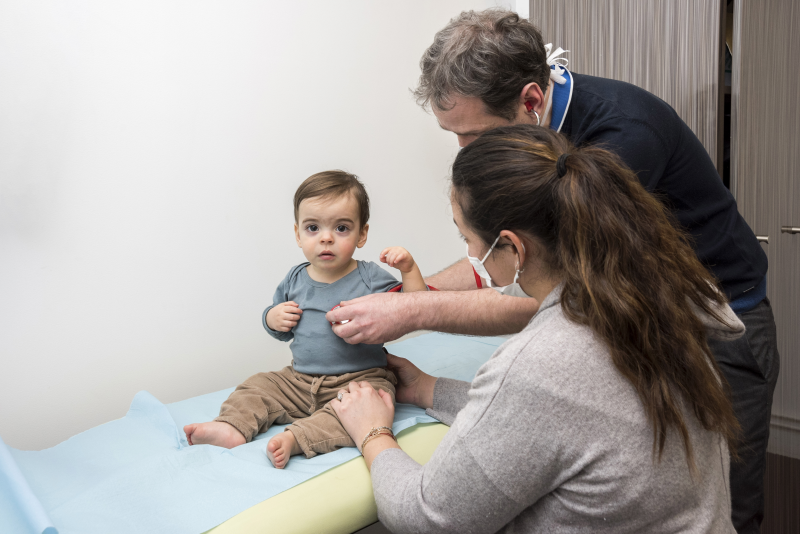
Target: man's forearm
(478, 313)
(457, 277)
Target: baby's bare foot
(214, 433)
(281, 447)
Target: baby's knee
(388, 387)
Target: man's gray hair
(490, 54)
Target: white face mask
(478, 264)
(481, 270)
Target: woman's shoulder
(553, 357)
(552, 341)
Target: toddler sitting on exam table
(331, 212)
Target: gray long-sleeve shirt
(550, 437)
(316, 350)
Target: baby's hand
(284, 316)
(399, 258)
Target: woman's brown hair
(629, 272)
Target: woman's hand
(363, 408)
(413, 386)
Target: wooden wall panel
(765, 178)
(668, 47)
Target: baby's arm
(401, 259)
(284, 316)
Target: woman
(606, 413)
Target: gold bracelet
(370, 438)
(381, 430)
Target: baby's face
(328, 231)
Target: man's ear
(297, 235)
(532, 99)
(362, 238)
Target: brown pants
(299, 400)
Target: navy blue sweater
(671, 163)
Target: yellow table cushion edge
(339, 501)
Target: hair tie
(561, 165)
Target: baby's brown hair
(334, 184)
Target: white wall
(149, 152)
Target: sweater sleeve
(494, 462)
(381, 280)
(449, 397)
(512, 443)
(456, 497)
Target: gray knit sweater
(550, 437)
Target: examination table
(338, 501)
(138, 474)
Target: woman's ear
(519, 246)
(362, 238)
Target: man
(490, 69)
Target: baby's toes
(189, 430)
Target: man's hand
(373, 319)
(284, 316)
(383, 317)
(399, 258)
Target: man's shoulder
(609, 99)
(609, 89)
(621, 114)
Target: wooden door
(765, 179)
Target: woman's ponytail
(628, 271)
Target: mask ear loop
(516, 266)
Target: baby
(331, 211)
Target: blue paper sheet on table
(138, 474)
